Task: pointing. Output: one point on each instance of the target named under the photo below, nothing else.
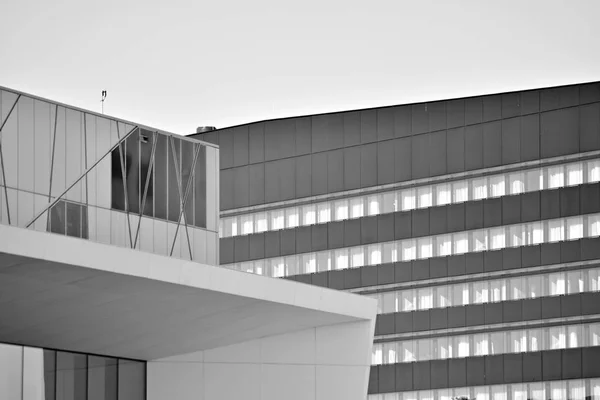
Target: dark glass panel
(117, 188)
(73, 219)
(188, 150)
(132, 380)
(102, 378)
(174, 171)
(200, 189)
(71, 376)
(256, 139)
(49, 374)
(132, 172)
(160, 177)
(58, 217)
(240, 146)
(146, 143)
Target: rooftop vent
(204, 129)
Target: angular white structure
(134, 306)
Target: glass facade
(75, 173)
(28, 373)
(517, 235)
(551, 283)
(576, 389)
(487, 343)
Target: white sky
(177, 64)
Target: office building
(110, 287)
(475, 223)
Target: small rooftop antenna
(103, 97)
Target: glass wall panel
(102, 378)
(132, 380)
(71, 376)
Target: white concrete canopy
(72, 294)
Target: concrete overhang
(71, 294)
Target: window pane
(324, 212)
(556, 177)
(71, 376)
(341, 210)
(497, 186)
(102, 378)
(574, 174)
(389, 202)
(260, 221)
(292, 217)
(132, 380)
(247, 224)
(460, 191)
(534, 180)
(479, 188)
(341, 259)
(443, 194)
(309, 215)
(357, 207)
(425, 196)
(373, 205)
(277, 220)
(593, 171)
(408, 199)
(516, 183)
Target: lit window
(593, 171)
(574, 282)
(556, 177)
(479, 188)
(228, 227)
(594, 334)
(574, 174)
(574, 228)
(259, 267)
(390, 252)
(247, 267)
(594, 280)
(516, 183)
(556, 230)
(518, 341)
(324, 212)
(536, 339)
(233, 221)
(498, 238)
(462, 346)
(480, 292)
(516, 236)
(557, 283)
(480, 239)
(341, 210)
(537, 391)
(341, 259)
(516, 289)
(443, 194)
(357, 257)
(277, 267)
(498, 290)
(577, 390)
(481, 344)
(497, 186)
(407, 351)
(277, 220)
(309, 214)
(442, 296)
(444, 245)
(444, 348)
(389, 203)
(408, 199)
(376, 357)
(260, 222)
(374, 254)
(593, 225)
(557, 337)
(309, 263)
(292, 217)
(425, 197)
(408, 300)
(425, 298)
(425, 247)
(357, 207)
(408, 249)
(460, 191)
(461, 242)
(373, 205)
(574, 336)
(247, 223)
(389, 353)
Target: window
(425, 196)
(443, 194)
(557, 337)
(557, 283)
(309, 214)
(277, 220)
(425, 247)
(443, 348)
(536, 340)
(516, 183)
(341, 210)
(460, 294)
(444, 245)
(292, 217)
(425, 351)
(534, 180)
(461, 242)
(442, 297)
(374, 252)
(498, 290)
(408, 199)
(68, 218)
(389, 302)
(357, 257)
(497, 343)
(498, 237)
(461, 343)
(574, 174)
(373, 205)
(518, 341)
(574, 228)
(260, 222)
(574, 282)
(408, 250)
(479, 188)
(425, 298)
(480, 239)
(357, 207)
(534, 287)
(341, 259)
(309, 263)
(323, 261)
(497, 186)
(408, 299)
(593, 171)
(556, 231)
(389, 202)
(460, 191)
(593, 225)
(516, 288)
(574, 336)
(324, 212)
(247, 224)
(407, 351)
(481, 344)
(389, 353)
(480, 292)
(556, 177)
(376, 354)
(390, 253)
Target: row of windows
(28, 373)
(489, 291)
(576, 389)
(482, 344)
(518, 235)
(531, 180)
